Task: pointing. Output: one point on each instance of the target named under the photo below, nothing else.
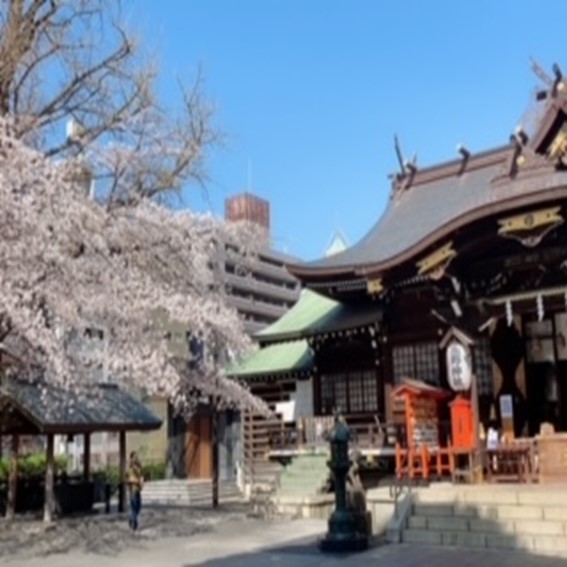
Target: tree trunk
(49, 505)
(215, 455)
(13, 479)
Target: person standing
(135, 485)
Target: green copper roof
(285, 358)
(316, 314)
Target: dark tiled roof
(55, 410)
(416, 213)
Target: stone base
(346, 533)
(331, 544)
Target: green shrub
(154, 471)
(33, 465)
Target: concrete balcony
(249, 284)
(250, 306)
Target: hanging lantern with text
(459, 371)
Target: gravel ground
(102, 534)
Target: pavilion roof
(29, 408)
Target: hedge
(32, 466)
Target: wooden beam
(13, 479)
(49, 504)
(122, 473)
(87, 457)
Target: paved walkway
(260, 543)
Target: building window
(349, 392)
(417, 361)
(482, 363)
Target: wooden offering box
(462, 424)
(420, 410)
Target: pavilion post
(122, 474)
(87, 457)
(49, 505)
(13, 479)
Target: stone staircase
(297, 493)
(530, 518)
(186, 492)
(304, 476)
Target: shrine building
(459, 290)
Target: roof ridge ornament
(554, 85)
(465, 154)
(408, 168)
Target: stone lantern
(343, 534)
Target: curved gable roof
(433, 206)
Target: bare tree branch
(107, 88)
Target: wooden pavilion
(476, 246)
(38, 409)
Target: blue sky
(311, 93)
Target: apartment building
(262, 290)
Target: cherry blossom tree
(78, 104)
(78, 109)
(68, 262)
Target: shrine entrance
(546, 372)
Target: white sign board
(459, 371)
(286, 410)
(303, 398)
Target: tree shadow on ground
(108, 535)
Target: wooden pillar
(87, 457)
(13, 479)
(122, 474)
(49, 505)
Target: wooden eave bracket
(530, 228)
(374, 286)
(435, 264)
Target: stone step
(183, 488)
(541, 544)
(298, 479)
(495, 512)
(298, 490)
(546, 496)
(464, 524)
(188, 493)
